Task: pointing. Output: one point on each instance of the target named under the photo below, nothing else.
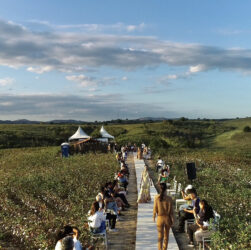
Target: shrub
(247, 129)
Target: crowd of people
(194, 208)
(111, 201)
(105, 211)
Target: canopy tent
(80, 134)
(105, 134)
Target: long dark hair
(209, 213)
(162, 191)
(94, 207)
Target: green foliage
(224, 180)
(247, 129)
(16, 136)
(40, 192)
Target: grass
(40, 192)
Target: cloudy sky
(102, 60)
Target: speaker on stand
(191, 171)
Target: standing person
(144, 194)
(139, 154)
(163, 208)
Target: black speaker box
(191, 171)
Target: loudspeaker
(191, 170)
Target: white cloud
(124, 78)
(197, 68)
(84, 81)
(6, 104)
(74, 52)
(6, 81)
(93, 27)
(131, 28)
(40, 70)
(172, 77)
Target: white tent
(105, 134)
(80, 134)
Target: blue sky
(101, 60)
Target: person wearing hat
(186, 197)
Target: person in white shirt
(159, 164)
(97, 218)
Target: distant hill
(21, 121)
(125, 121)
(66, 122)
(152, 119)
(25, 121)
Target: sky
(102, 60)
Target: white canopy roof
(80, 134)
(105, 134)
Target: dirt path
(125, 238)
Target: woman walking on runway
(163, 208)
(144, 194)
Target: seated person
(119, 193)
(159, 164)
(61, 239)
(100, 201)
(110, 203)
(124, 154)
(124, 170)
(119, 203)
(201, 223)
(186, 196)
(67, 243)
(117, 199)
(97, 218)
(189, 213)
(76, 234)
(122, 180)
(163, 176)
(109, 214)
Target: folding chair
(102, 235)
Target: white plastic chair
(179, 202)
(102, 235)
(172, 193)
(174, 188)
(188, 222)
(216, 224)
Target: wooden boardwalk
(146, 234)
(125, 238)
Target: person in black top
(205, 214)
(186, 214)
